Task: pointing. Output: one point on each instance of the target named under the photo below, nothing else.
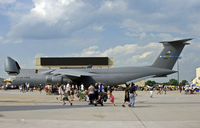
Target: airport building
(196, 80)
(74, 62)
(140, 83)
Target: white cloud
(138, 27)
(163, 36)
(98, 28)
(1, 38)
(50, 19)
(53, 19)
(7, 1)
(144, 55)
(128, 54)
(55, 10)
(14, 41)
(117, 6)
(62, 18)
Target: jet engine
(57, 79)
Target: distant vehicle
(162, 67)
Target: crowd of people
(98, 93)
(94, 94)
(162, 89)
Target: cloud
(50, 19)
(144, 30)
(15, 41)
(128, 54)
(117, 6)
(56, 19)
(98, 28)
(1, 38)
(7, 1)
(144, 55)
(103, 27)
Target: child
(112, 98)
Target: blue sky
(127, 30)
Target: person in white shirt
(60, 92)
(82, 87)
(68, 88)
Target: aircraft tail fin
(11, 66)
(170, 53)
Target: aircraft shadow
(40, 107)
(142, 106)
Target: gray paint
(110, 76)
(11, 66)
(171, 48)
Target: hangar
(196, 80)
(74, 62)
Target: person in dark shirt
(96, 93)
(126, 97)
(106, 88)
(132, 94)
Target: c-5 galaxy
(161, 67)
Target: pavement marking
(138, 118)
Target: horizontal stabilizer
(183, 41)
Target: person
(159, 89)
(67, 97)
(72, 93)
(27, 87)
(101, 87)
(165, 89)
(49, 89)
(96, 93)
(82, 87)
(132, 94)
(180, 88)
(71, 96)
(187, 89)
(20, 88)
(91, 94)
(75, 89)
(23, 87)
(68, 89)
(126, 97)
(151, 91)
(106, 88)
(60, 93)
(112, 99)
(82, 95)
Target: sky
(127, 30)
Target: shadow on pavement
(40, 107)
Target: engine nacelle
(57, 79)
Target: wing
(71, 73)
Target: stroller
(82, 95)
(102, 98)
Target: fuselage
(162, 66)
(110, 76)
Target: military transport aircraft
(162, 66)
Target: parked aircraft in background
(162, 66)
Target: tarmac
(32, 109)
